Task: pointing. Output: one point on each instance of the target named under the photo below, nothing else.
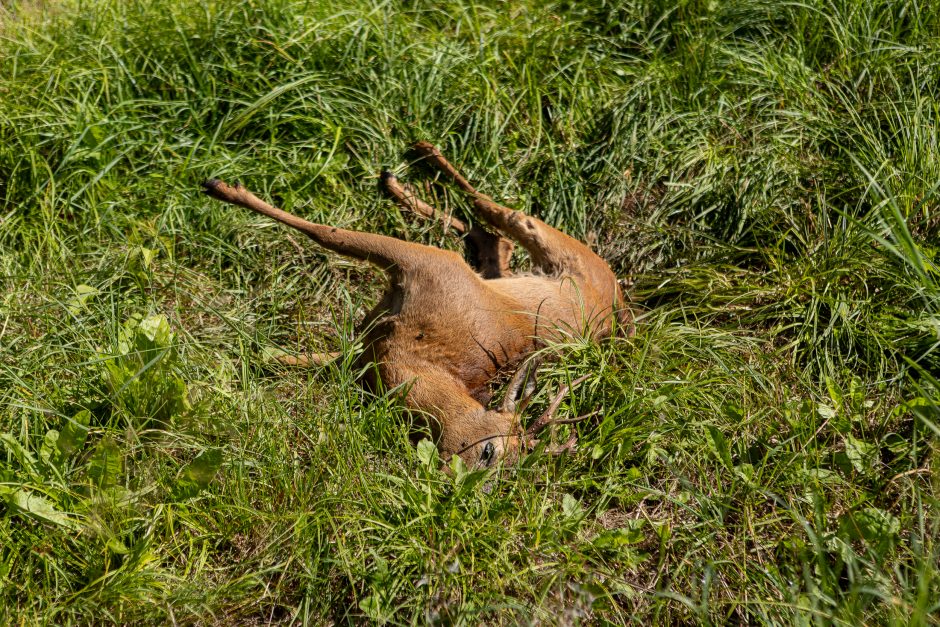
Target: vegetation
(765, 175)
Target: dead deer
(444, 330)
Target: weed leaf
(106, 464)
(199, 473)
(860, 454)
(427, 453)
(32, 504)
(73, 434)
(719, 446)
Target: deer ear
(520, 389)
(488, 455)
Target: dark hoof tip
(386, 175)
(210, 185)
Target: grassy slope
(766, 175)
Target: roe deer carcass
(444, 329)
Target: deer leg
(552, 252)
(407, 199)
(388, 253)
(487, 252)
(490, 252)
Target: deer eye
(486, 457)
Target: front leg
(487, 252)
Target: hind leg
(487, 252)
(392, 255)
(553, 252)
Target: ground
(763, 176)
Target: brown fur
(446, 329)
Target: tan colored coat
(444, 329)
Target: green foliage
(140, 374)
(198, 474)
(764, 175)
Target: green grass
(765, 175)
